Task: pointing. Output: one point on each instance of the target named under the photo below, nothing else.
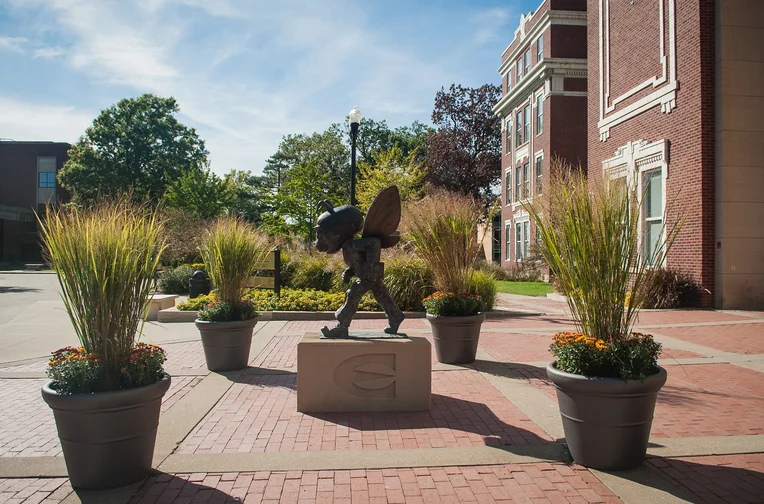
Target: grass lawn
(524, 288)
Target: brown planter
(607, 421)
(107, 437)
(456, 338)
(226, 344)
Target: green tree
(136, 146)
(201, 193)
(295, 205)
(374, 136)
(390, 167)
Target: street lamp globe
(355, 116)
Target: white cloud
(21, 120)
(13, 44)
(49, 52)
(488, 24)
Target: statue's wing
(384, 214)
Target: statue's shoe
(335, 332)
(394, 323)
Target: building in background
(543, 112)
(676, 109)
(27, 183)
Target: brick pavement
(259, 414)
(526, 483)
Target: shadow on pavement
(12, 290)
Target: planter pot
(456, 338)
(607, 421)
(107, 437)
(226, 344)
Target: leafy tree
(202, 193)
(390, 167)
(376, 136)
(296, 203)
(464, 154)
(136, 146)
(246, 190)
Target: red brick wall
(570, 84)
(569, 128)
(688, 128)
(568, 41)
(572, 5)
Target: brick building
(543, 111)
(676, 108)
(27, 183)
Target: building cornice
(549, 67)
(548, 18)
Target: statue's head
(336, 226)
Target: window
(539, 114)
(540, 48)
(508, 140)
(526, 123)
(539, 171)
(509, 82)
(522, 235)
(526, 181)
(508, 246)
(46, 180)
(518, 184)
(652, 212)
(519, 67)
(538, 238)
(527, 59)
(508, 187)
(519, 127)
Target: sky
(244, 72)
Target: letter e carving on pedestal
(370, 376)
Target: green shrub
(290, 300)
(175, 280)
(408, 279)
(448, 304)
(310, 271)
(484, 286)
(217, 311)
(667, 288)
(197, 303)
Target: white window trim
(520, 222)
(508, 256)
(632, 161)
(536, 157)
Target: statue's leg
(346, 312)
(394, 315)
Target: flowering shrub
(75, 371)
(290, 300)
(629, 357)
(448, 304)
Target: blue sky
(244, 72)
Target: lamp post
(355, 122)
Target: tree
(136, 146)
(390, 167)
(464, 154)
(374, 136)
(201, 193)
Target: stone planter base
(107, 437)
(226, 344)
(607, 421)
(456, 338)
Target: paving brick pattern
(740, 338)
(259, 414)
(367, 324)
(687, 316)
(34, 490)
(27, 427)
(281, 352)
(28, 367)
(715, 479)
(184, 355)
(527, 483)
(511, 347)
(710, 400)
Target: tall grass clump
(443, 231)
(590, 238)
(232, 251)
(408, 279)
(105, 258)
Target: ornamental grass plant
(443, 230)
(232, 251)
(105, 259)
(591, 238)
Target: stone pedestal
(363, 374)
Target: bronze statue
(336, 229)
